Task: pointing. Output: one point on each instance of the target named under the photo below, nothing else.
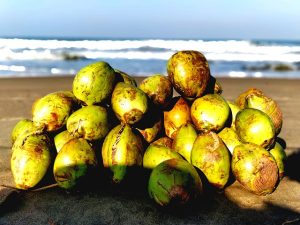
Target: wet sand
(130, 205)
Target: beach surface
(103, 204)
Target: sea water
(143, 57)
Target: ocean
(29, 57)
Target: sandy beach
(128, 206)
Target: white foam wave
(62, 71)
(239, 74)
(12, 68)
(129, 55)
(8, 54)
(174, 45)
(229, 50)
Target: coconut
(129, 103)
(121, 149)
(62, 138)
(174, 183)
(230, 138)
(158, 88)
(23, 128)
(30, 160)
(89, 122)
(210, 113)
(189, 73)
(155, 154)
(74, 162)
(280, 157)
(255, 168)
(52, 111)
(94, 83)
(212, 157)
(255, 126)
(184, 140)
(177, 116)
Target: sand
(104, 204)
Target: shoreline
(219, 76)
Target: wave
(7, 54)
(233, 58)
(18, 70)
(13, 68)
(227, 50)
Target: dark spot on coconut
(164, 141)
(239, 155)
(23, 186)
(132, 94)
(38, 150)
(266, 176)
(169, 169)
(114, 147)
(217, 185)
(132, 116)
(179, 195)
(54, 116)
(144, 134)
(162, 186)
(206, 165)
(173, 163)
(129, 149)
(222, 175)
(63, 176)
(214, 156)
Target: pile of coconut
(108, 123)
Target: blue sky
(250, 19)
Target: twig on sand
(291, 221)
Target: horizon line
(67, 37)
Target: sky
(238, 19)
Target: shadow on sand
(105, 203)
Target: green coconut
(184, 140)
(94, 83)
(73, 163)
(89, 122)
(52, 111)
(124, 77)
(129, 103)
(218, 88)
(155, 154)
(280, 157)
(189, 73)
(210, 113)
(164, 141)
(174, 183)
(23, 128)
(241, 99)
(234, 110)
(178, 115)
(258, 100)
(158, 88)
(30, 160)
(255, 126)
(212, 157)
(230, 138)
(255, 168)
(150, 126)
(62, 138)
(122, 149)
